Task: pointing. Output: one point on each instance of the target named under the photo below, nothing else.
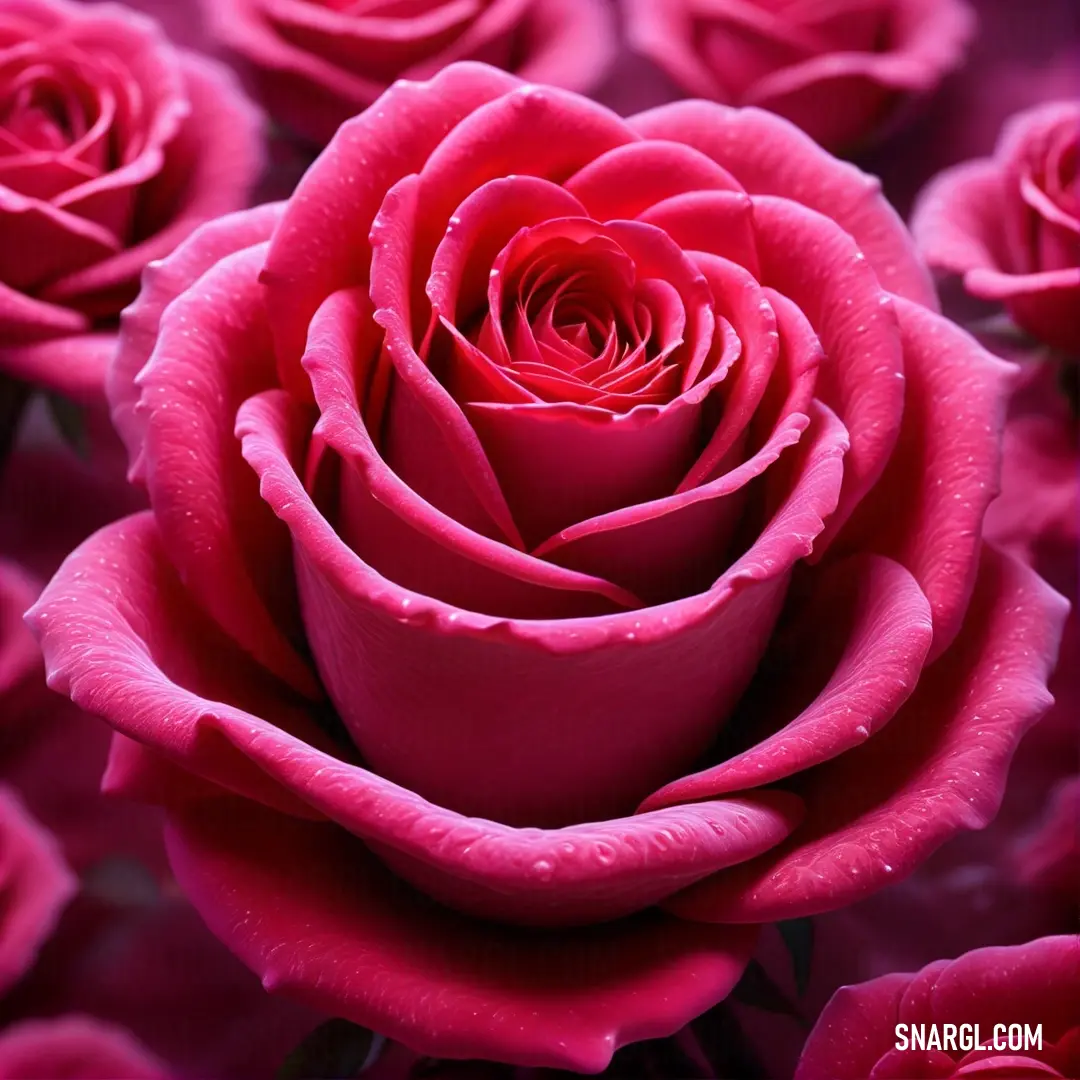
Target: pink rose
(113, 147)
(1010, 224)
(1036, 984)
(563, 427)
(840, 69)
(315, 63)
(74, 1048)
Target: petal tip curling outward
(381, 951)
(162, 282)
(939, 766)
(957, 217)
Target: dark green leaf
(798, 935)
(336, 1050)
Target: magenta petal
(770, 156)
(345, 937)
(532, 130)
(928, 509)
(715, 222)
(24, 319)
(41, 242)
(428, 441)
(850, 1037)
(521, 772)
(74, 366)
(208, 169)
(958, 219)
(677, 545)
(186, 668)
(162, 283)
(74, 1046)
(626, 181)
(35, 885)
(480, 228)
(1031, 982)
(937, 767)
(393, 529)
(885, 620)
(815, 264)
(322, 243)
(216, 702)
(741, 300)
(222, 538)
(573, 43)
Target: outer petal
(94, 652)
(854, 1031)
(162, 283)
(927, 509)
(222, 538)
(815, 264)
(336, 930)
(957, 221)
(195, 704)
(74, 1046)
(24, 319)
(868, 610)
(770, 156)
(939, 766)
(1033, 983)
(35, 884)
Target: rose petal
(871, 611)
(718, 223)
(346, 938)
(816, 265)
(939, 766)
(24, 319)
(956, 221)
(549, 662)
(41, 242)
(928, 508)
(75, 1046)
(74, 366)
(626, 181)
(582, 873)
(770, 156)
(208, 170)
(393, 529)
(321, 245)
(228, 548)
(162, 283)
